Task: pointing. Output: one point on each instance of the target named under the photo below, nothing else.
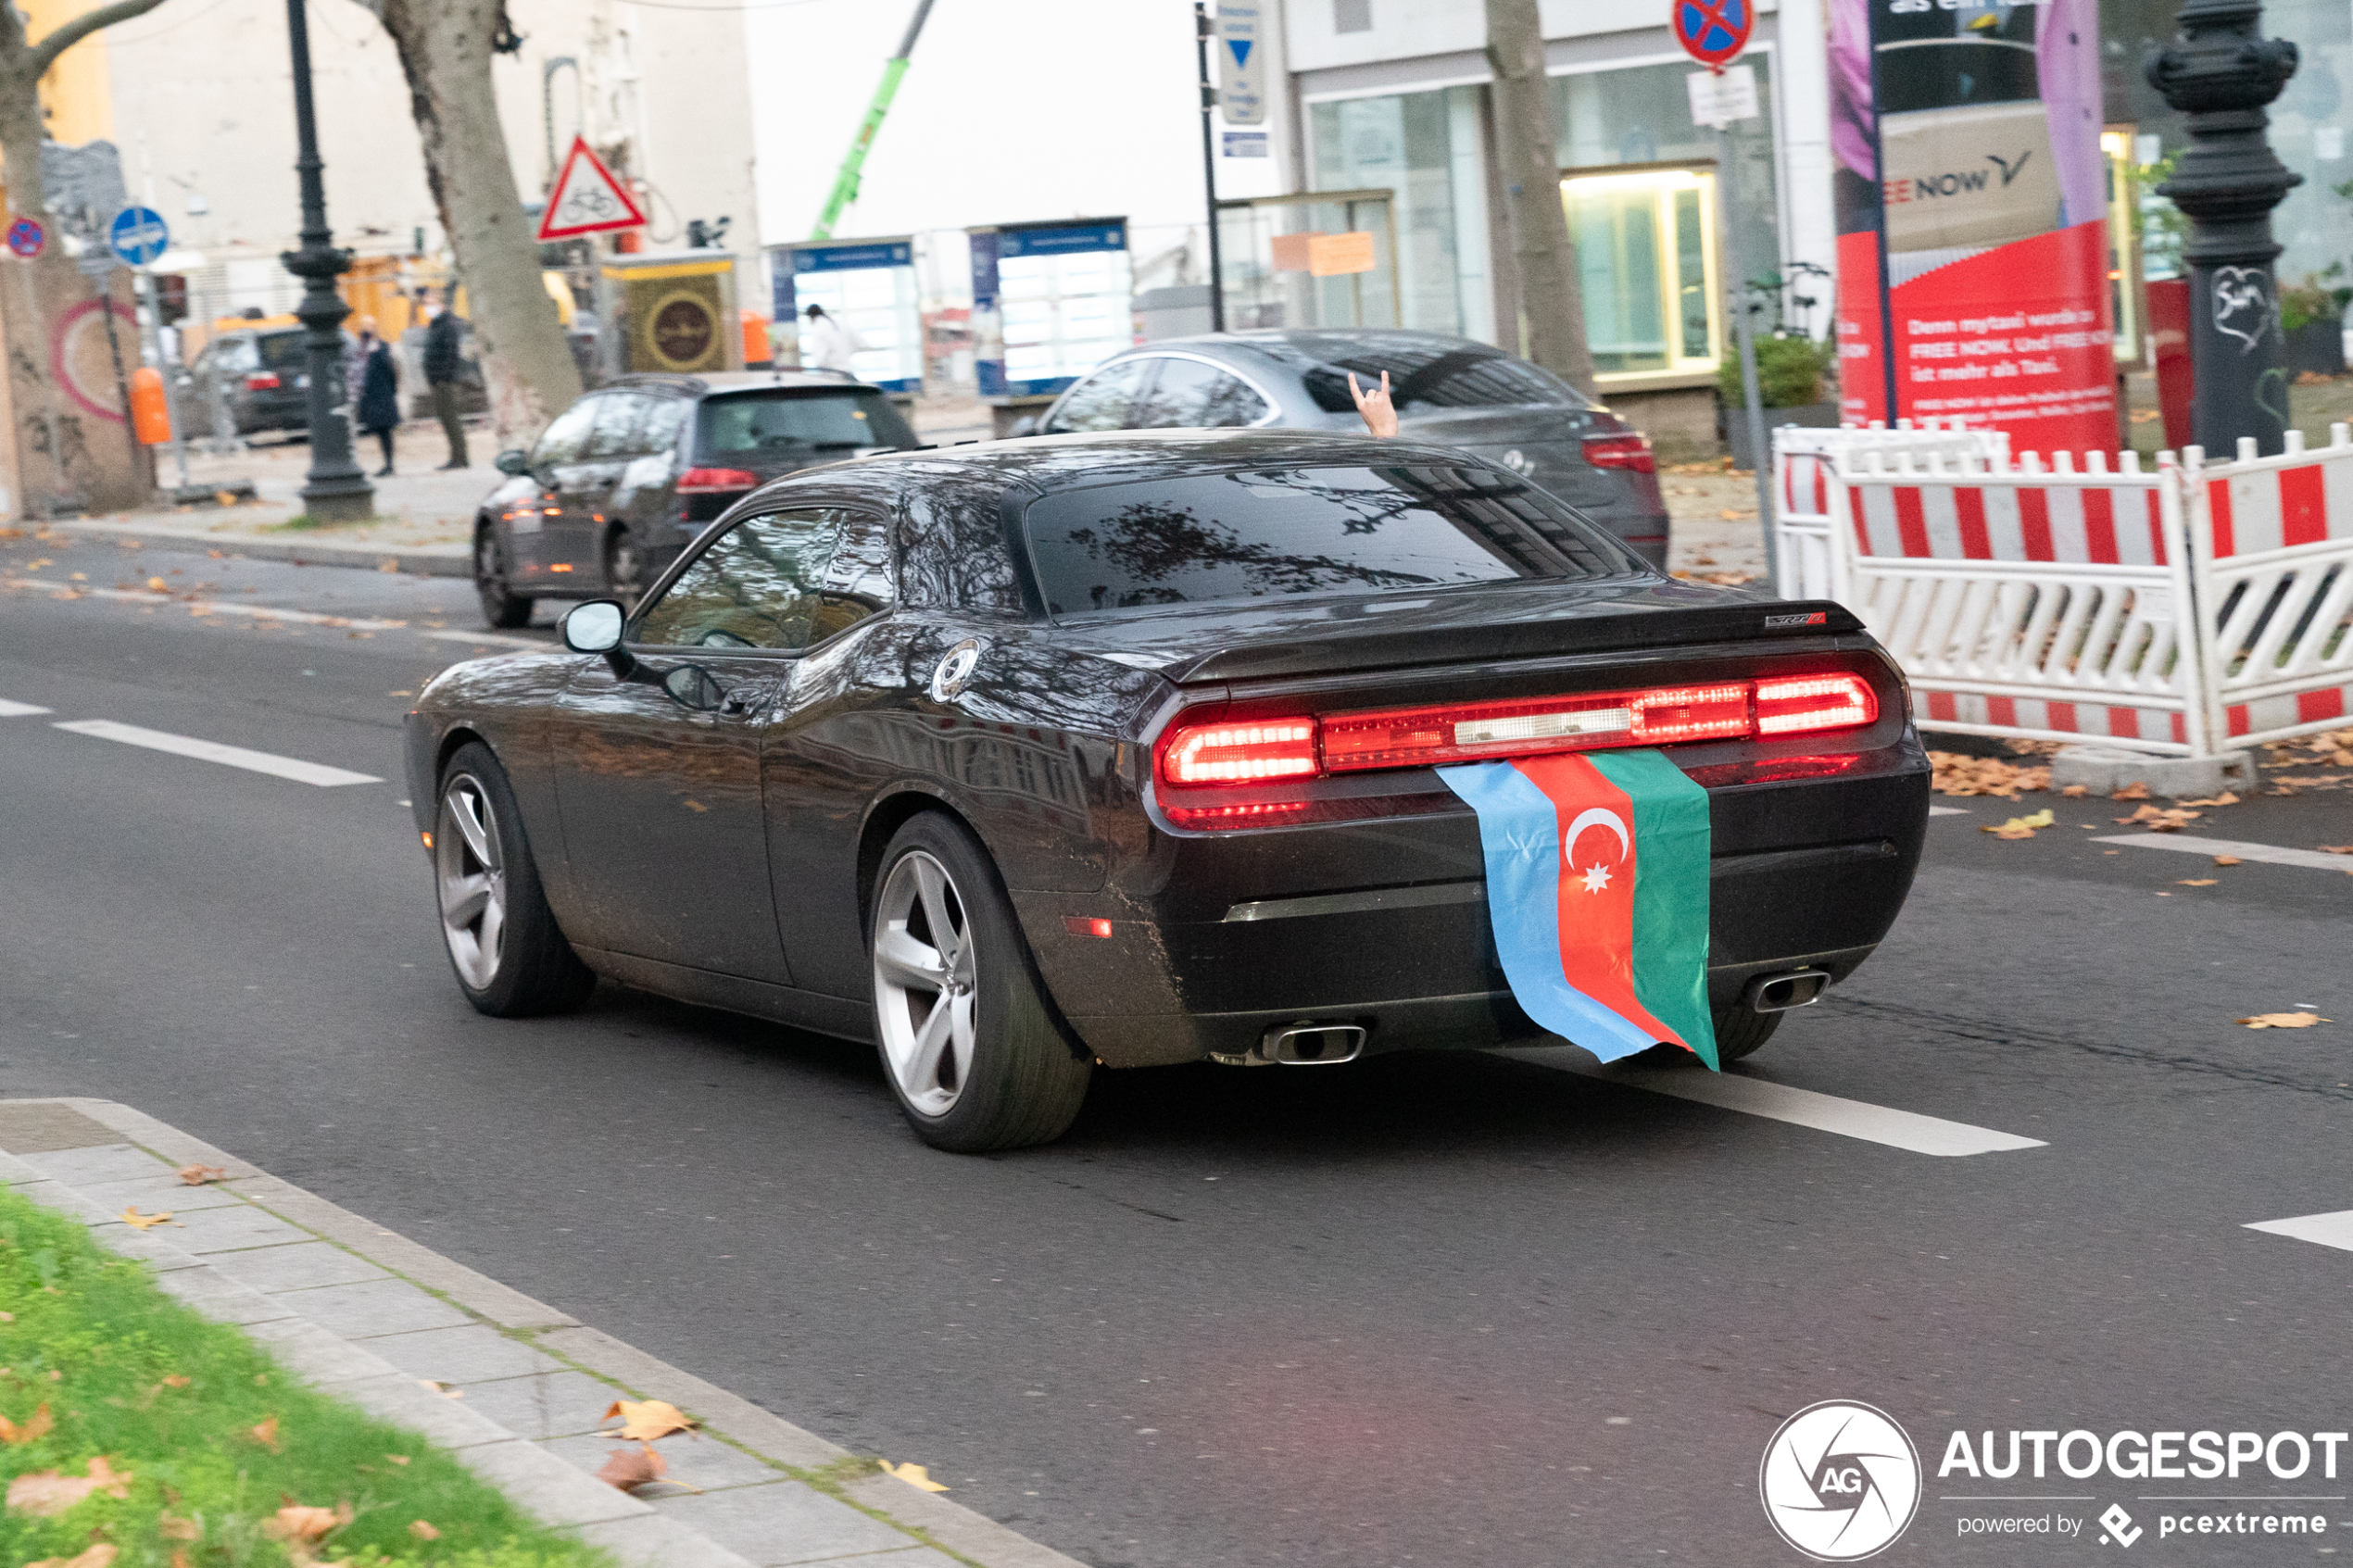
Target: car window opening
(794, 420)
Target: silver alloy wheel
(471, 877)
(924, 983)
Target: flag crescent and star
(1597, 895)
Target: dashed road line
(1802, 1108)
(17, 710)
(203, 607)
(213, 751)
(2328, 1230)
(2273, 853)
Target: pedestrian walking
(377, 409)
(828, 345)
(443, 365)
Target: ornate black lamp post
(337, 491)
(2220, 72)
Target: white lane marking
(1803, 1108)
(204, 606)
(1946, 811)
(2328, 1230)
(532, 643)
(213, 751)
(2272, 852)
(17, 710)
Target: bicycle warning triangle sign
(588, 199)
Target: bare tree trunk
(444, 49)
(1545, 256)
(65, 450)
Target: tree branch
(44, 55)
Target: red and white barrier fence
(2273, 539)
(2181, 610)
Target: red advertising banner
(1973, 247)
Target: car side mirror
(692, 686)
(595, 627)
(513, 462)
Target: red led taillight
(1234, 754)
(1631, 451)
(262, 381)
(703, 481)
(1409, 737)
(1807, 703)
(1199, 764)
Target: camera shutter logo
(1841, 1481)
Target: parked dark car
(1005, 757)
(622, 481)
(263, 378)
(1446, 389)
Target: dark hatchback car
(263, 377)
(1446, 389)
(1020, 758)
(622, 481)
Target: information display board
(1972, 206)
(1050, 302)
(868, 286)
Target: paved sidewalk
(371, 1317)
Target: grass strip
(214, 1447)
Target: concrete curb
(417, 560)
(365, 1313)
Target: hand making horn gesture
(1380, 416)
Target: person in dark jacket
(443, 365)
(377, 409)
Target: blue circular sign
(138, 234)
(1713, 32)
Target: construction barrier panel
(2186, 610)
(2273, 539)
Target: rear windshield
(1260, 534)
(1422, 376)
(742, 424)
(283, 351)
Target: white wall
(1013, 110)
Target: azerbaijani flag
(1597, 888)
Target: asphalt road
(1434, 1309)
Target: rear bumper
(1385, 924)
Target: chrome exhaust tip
(1779, 993)
(1312, 1045)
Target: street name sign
(588, 199)
(138, 236)
(1242, 65)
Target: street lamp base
(353, 501)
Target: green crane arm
(845, 189)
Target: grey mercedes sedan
(1448, 390)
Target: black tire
(625, 564)
(1022, 1080)
(521, 966)
(1739, 1032)
(502, 608)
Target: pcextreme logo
(1841, 1481)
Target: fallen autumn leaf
(629, 1469)
(2195, 881)
(52, 1492)
(913, 1474)
(2226, 860)
(2285, 1021)
(98, 1555)
(423, 1531)
(642, 1422)
(30, 1431)
(299, 1523)
(136, 1221)
(196, 1175)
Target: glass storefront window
(1425, 148)
(1646, 260)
